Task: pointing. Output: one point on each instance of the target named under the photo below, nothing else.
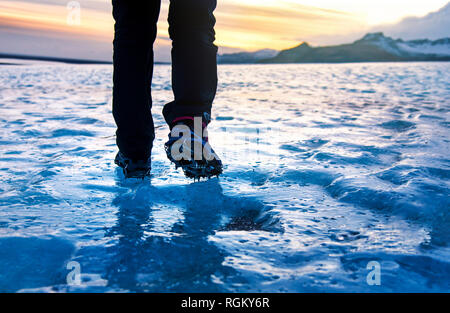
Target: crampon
(191, 151)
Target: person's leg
(194, 84)
(194, 58)
(135, 33)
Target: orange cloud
(252, 26)
(21, 16)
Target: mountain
(433, 26)
(373, 47)
(246, 57)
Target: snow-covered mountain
(373, 47)
(399, 47)
(436, 47)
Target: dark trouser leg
(194, 58)
(135, 33)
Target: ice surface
(328, 167)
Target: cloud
(252, 26)
(435, 25)
(41, 28)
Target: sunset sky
(41, 28)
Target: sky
(51, 27)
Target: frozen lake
(327, 168)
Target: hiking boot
(133, 168)
(188, 148)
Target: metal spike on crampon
(198, 170)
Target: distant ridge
(373, 47)
(50, 59)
